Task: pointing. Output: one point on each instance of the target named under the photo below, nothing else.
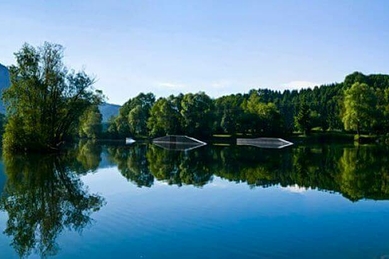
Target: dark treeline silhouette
(359, 104)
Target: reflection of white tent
(275, 143)
(178, 142)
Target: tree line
(48, 104)
(359, 104)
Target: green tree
(303, 120)
(228, 113)
(139, 113)
(360, 107)
(133, 116)
(165, 117)
(137, 119)
(90, 123)
(196, 111)
(45, 99)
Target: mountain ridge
(4, 83)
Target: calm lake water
(142, 201)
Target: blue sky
(220, 47)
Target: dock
(178, 142)
(272, 143)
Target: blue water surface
(222, 219)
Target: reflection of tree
(142, 163)
(256, 167)
(178, 168)
(164, 164)
(315, 167)
(364, 173)
(132, 163)
(88, 156)
(42, 197)
(355, 174)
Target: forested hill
(4, 83)
(108, 110)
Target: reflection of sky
(222, 220)
(295, 188)
(5, 250)
(3, 177)
(228, 220)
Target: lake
(144, 201)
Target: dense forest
(360, 104)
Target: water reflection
(43, 196)
(180, 167)
(355, 172)
(132, 163)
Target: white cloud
(221, 84)
(171, 86)
(299, 84)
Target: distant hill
(108, 110)
(4, 83)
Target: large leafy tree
(139, 112)
(133, 116)
(45, 99)
(261, 117)
(228, 113)
(360, 107)
(165, 117)
(197, 116)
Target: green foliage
(45, 99)
(228, 114)
(260, 117)
(261, 112)
(90, 123)
(165, 117)
(133, 117)
(197, 117)
(360, 107)
(303, 119)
